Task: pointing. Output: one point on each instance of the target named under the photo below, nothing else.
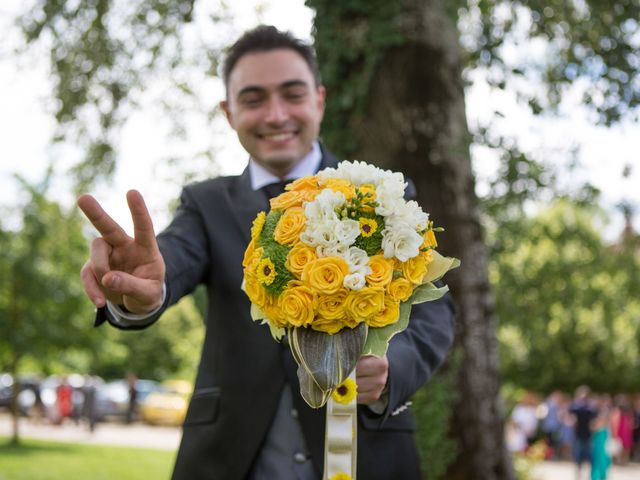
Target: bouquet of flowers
(337, 264)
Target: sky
(26, 129)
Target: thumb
(142, 294)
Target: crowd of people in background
(593, 430)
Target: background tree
(399, 103)
(581, 298)
(42, 304)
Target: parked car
(112, 398)
(28, 393)
(167, 406)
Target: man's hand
(126, 271)
(371, 376)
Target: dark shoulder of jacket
(410, 190)
(210, 186)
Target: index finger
(142, 223)
(112, 233)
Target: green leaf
(378, 338)
(439, 266)
(427, 292)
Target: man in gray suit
(246, 418)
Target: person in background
(622, 428)
(600, 436)
(132, 379)
(635, 452)
(524, 416)
(583, 412)
(64, 399)
(551, 424)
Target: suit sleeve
(417, 352)
(185, 249)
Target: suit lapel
(245, 203)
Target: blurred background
(518, 122)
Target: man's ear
(224, 105)
(321, 96)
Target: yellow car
(168, 406)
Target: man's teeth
(278, 137)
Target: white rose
(320, 233)
(409, 213)
(358, 261)
(324, 205)
(354, 281)
(336, 250)
(347, 230)
(402, 243)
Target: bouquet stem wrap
(340, 447)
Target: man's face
(275, 107)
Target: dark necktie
(275, 189)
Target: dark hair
(265, 38)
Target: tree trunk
(15, 408)
(413, 121)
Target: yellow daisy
(341, 476)
(266, 271)
(258, 223)
(346, 391)
(368, 226)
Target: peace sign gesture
(124, 270)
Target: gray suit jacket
(242, 370)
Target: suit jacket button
(294, 413)
(299, 457)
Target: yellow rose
(291, 224)
(390, 314)
(286, 200)
(363, 304)
(252, 254)
(255, 291)
(331, 307)
(325, 275)
(297, 304)
(400, 289)
(327, 325)
(304, 183)
(272, 311)
(381, 271)
(415, 269)
(299, 256)
(339, 185)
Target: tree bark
(414, 122)
(15, 408)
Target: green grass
(41, 460)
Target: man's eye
(295, 95)
(251, 101)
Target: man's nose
(277, 111)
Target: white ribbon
(340, 443)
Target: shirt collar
(309, 165)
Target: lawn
(40, 460)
